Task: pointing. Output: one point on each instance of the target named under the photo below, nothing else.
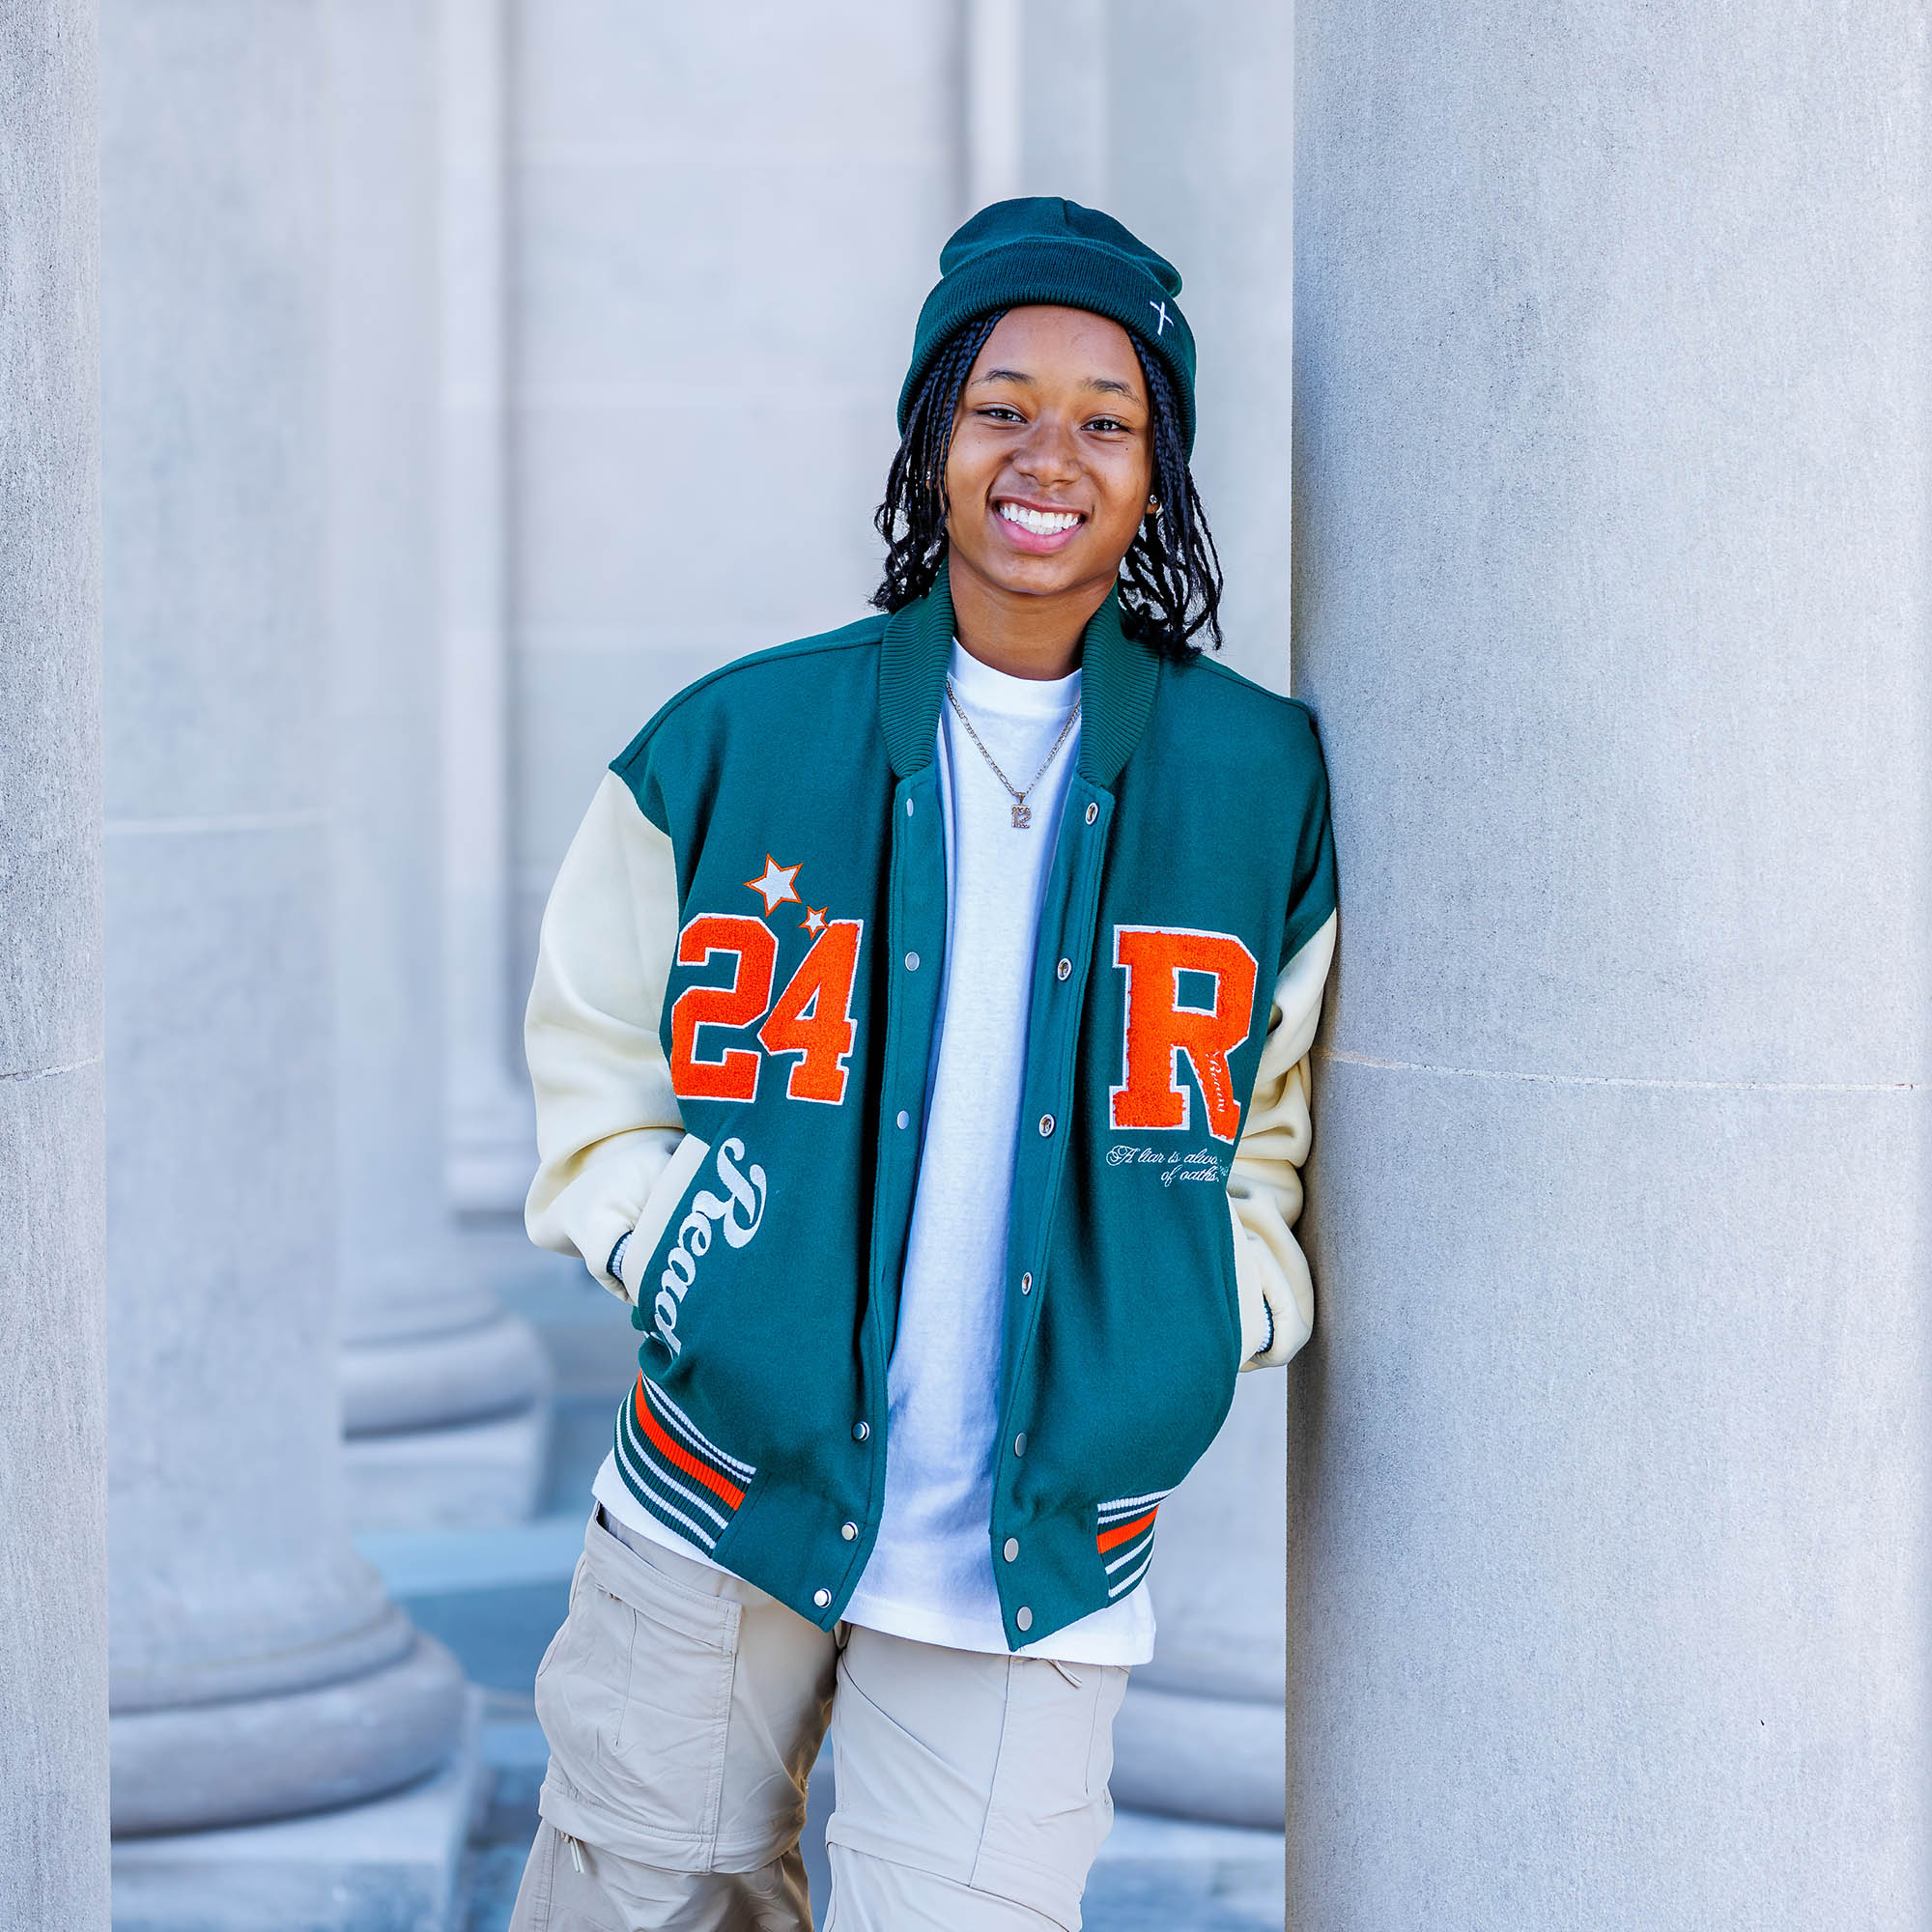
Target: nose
(1048, 454)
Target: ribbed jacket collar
(1117, 685)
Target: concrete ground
(496, 1596)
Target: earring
(1153, 506)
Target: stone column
(1612, 594)
(258, 1669)
(1202, 1730)
(445, 1397)
(490, 1125)
(53, 1492)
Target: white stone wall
(53, 1489)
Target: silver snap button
(821, 1598)
(1045, 1126)
(860, 1431)
(912, 962)
(1026, 1284)
(1092, 813)
(1064, 969)
(848, 1531)
(1019, 1444)
(906, 1118)
(1024, 1616)
(909, 808)
(1011, 1549)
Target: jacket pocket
(717, 1213)
(1253, 1316)
(660, 1205)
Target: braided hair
(1171, 575)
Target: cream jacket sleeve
(1271, 1277)
(610, 1142)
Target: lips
(1033, 528)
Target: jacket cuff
(1277, 1298)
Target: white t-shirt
(931, 1573)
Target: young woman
(918, 1036)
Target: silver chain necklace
(1022, 810)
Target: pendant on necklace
(1022, 814)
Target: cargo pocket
(634, 1696)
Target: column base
(468, 1476)
(187, 1767)
(391, 1865)
(429, 1381)
(446, 1429)
(1221, 1759)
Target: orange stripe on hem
(1125, 1532)
(680, 1456)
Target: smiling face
(1047, 477)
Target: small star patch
(776, 885)
(813, 919)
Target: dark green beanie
(1052, 251)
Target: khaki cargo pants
(684, 1709)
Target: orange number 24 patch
(813, 1017)
(1161, 1029)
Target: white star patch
(813, 919)
(776, 885)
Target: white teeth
(1041, 522)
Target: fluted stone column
(1613, 562)
(257, 1669)
(53, 1490)
(491, 1131)
(444, 1396)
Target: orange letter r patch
(1159, 1029)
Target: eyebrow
(1105, 383)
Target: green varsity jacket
(731, 1033)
